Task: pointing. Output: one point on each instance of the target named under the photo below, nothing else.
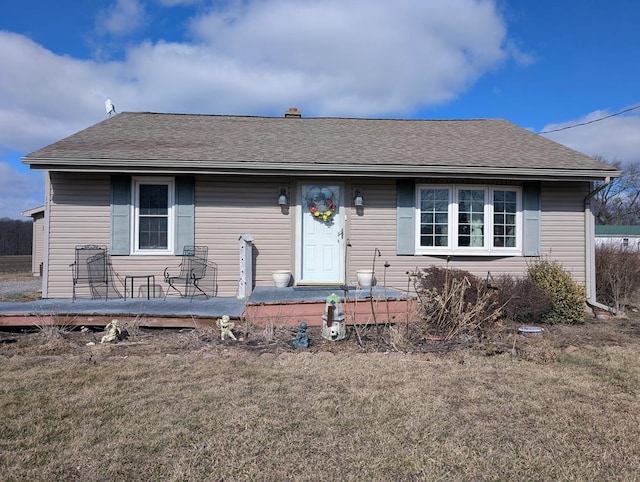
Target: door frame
(342, 207)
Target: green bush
(567, 297)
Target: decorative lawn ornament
(226, 325)
(333, 326)
(302, 339)
(113, 332)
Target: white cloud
(614, 139)
(123, 18)
(44, 96)
(176, 3)
(358, 57)
(18, 191)
(331, 57)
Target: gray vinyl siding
(563, 226)
(227, 207)
(78, 214)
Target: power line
(591, 121)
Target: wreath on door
(321, 203)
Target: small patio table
(151, 281)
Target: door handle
(341, 233)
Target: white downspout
(46, 244)
(590, 251)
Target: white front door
(321, 234)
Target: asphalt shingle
(183, 141)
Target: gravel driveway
(13, 287)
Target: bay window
(470, 220)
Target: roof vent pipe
(293, 112)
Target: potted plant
(281, 278)
(365, 278)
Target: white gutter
(590, 252)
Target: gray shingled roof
(268, 145)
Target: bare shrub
(454, 302)
(521, 299)
(132, 327)
(53, 328)
(269, 331)
(617, 275)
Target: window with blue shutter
(440, 219)
(152, 215)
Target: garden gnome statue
(112, 332)
(302, 339)
(226, 325)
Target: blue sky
(541, 64)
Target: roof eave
(318, 169)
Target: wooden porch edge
(283, 314)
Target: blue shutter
(405, 224)
(531, 202)
(120, 214)
(185, 212)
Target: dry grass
(12, 265)
(313, 416)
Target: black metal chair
(92, 267)
(190, 272)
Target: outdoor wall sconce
(357, 198)
(283, 198)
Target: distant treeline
(16, 237)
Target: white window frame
(135, 217)
(452, 233)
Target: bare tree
(15, 236)
(619, 201)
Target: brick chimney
(293, 112)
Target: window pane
(153, 219)
(426, 240)
(471, 217)
(441, 229)
(441, 205)
(504, 218)
(442, 218)
(442, 241)
(434, 217)
(154, 199)
(153, 233)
